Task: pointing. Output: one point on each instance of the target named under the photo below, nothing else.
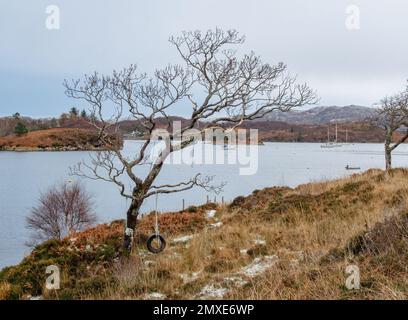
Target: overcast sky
(345, 66)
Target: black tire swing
(156, 242)
(150, 243)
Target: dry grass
(309, 228)
(5, 290)
(278, 243)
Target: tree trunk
(387, 159)
(388, 150)
(131, 221)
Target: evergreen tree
(20, 129)
(73, 112)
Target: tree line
(19, 125)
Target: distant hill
(323, 115)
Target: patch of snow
(210, 292)
(236, 281)
(155, 296)
(216, 225)
(259, 265)
(211, 214)
(189, 278)
(36, 298)
(148, 263)
(260, 242)
(183, 239)
(243, 251)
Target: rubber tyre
(150, 241)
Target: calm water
(24, 175)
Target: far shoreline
(68, 149)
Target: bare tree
(61, 211)
(392, 115)
(218, 86)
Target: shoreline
(65, 149)
(95, 149)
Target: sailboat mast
(336, 133)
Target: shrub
(20, 129)
(61, 211)
(192, 209)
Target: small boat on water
(330, 145)
(352, 168)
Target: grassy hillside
(52, 140)
(278, 243)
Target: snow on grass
(235, 281)
(189, 277)
(216, 225)
(259, 265)
(183, 239)
(155, 296)
(211, 214)
(260, 242)
(210, 291)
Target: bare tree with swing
(218, 86)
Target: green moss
(192, 209)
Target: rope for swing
(156, 227)
(156, 235)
